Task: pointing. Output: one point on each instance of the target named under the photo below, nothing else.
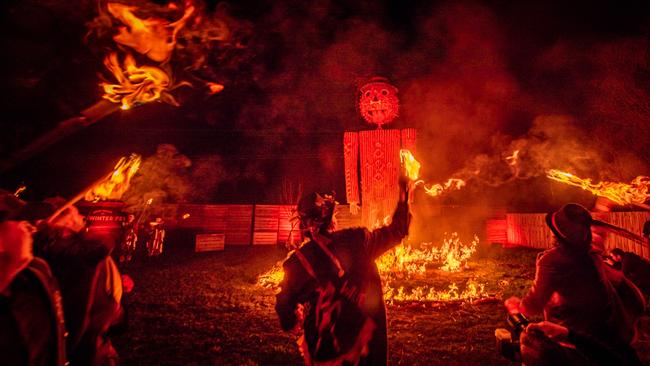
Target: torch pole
(87, 117)
(642, 205)
(78, 197)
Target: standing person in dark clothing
(574, 288)
(32, 328)
(332, 288)
(91, 286)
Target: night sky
(568, 84)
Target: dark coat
(356, 250)
(577, 290)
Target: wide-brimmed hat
(13, 208)
(571, 224)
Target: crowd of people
(331, 292)
(61, 292)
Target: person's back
(31, 314)
(335, 279)
(578, 298)
(88, 279)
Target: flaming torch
(110, 186)
(117, 182)
(635, 193)
(410, 164)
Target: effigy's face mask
(378, 103)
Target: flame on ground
(405, 262)
(637, 192)
(153, 37)
(472, 291)
(272, 277)
(114, 186)
(136, 84)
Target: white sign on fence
(209, 242)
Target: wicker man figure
(375, 154)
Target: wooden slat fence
(530, 230)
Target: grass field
(207, 309)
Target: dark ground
(207, 309)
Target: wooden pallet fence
(209, 242)
(265, 231)
(238, 224)
(530, 230)
(345, 219)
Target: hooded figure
(331, 287)
(575, 289)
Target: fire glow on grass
(407, 263)
(637, 192)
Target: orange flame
(214, 88)
(410, 164)
(114, 186)
(137, 84)
(153, 37)
(406, 262)
(513, 159)
(472, 291)
(637, 192)
(452, 184)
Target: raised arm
(378, 241)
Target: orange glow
(637, 192)
(405, 262)
(153, 37)
(451, 184)
(137, 84)
(513, 159)
(114, 186)
(410, 164)
(214, 87)
(472, 291)
(272, 277)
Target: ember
(637, 192)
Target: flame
(451, 184)
(513, 159)
(410, 164)
(272, 277)
(137, 84)
(637, 192)
(117, 183)
(20, 190)
(472, 291)
(214, 87)
(405, 262)
(153, 37)
(185, 216)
